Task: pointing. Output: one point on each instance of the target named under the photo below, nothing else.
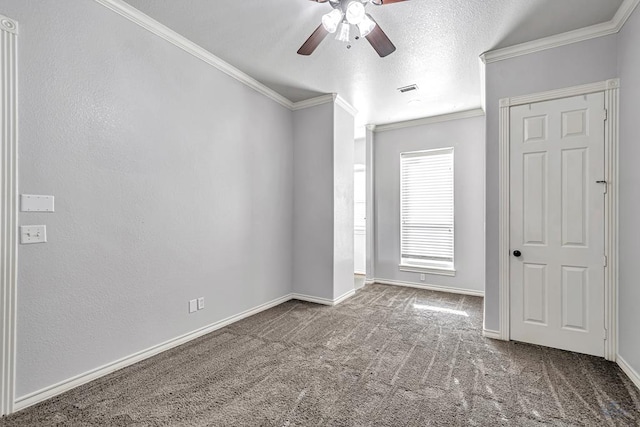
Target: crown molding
(325, 99)
(137, 17)
(476, 112)
(624, 13)
(312, 102)
(344, 104)
(598, 30)
(153, 26)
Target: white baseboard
(323, 301)
(627, 369)
(369, 282)
(309, 298)
(78, 380)
(431, 287)
(344, 296)
(488, 333)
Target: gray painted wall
(467, 138)
(323, 201)
(343, 152)
(172, 181)
(629, 244)
(313, 201)
(360, 151)
(580, 63)
(370, 239)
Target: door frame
(611, 90)
(8, 209)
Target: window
(426, 212)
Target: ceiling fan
(344, 14)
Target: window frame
(424, 267)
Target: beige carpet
(388, 356)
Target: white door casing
(8, 208)
(610, 88)
(557, 223)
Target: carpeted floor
(389, 356)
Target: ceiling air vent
(409, 88)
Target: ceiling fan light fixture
(355, 12)
(331, 20)
(366, 25)
(344, 33)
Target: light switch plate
(33, 234)
(200, 303)
(193, 306)
(35, 203)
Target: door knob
(517, 253)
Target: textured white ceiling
(438, 44)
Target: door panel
(574, 198)
(557, 223)
(535, 198)
(535, 293)
(575, 310)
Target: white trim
(488, 333)
(611, 91)
(370, 241)
(78, 380)
(428, 287)
(8, 209)
(611, 218)
(624, 13)
(155, 27)
(93, 374)
(560, 93)
(308, 103)
(324, 99)
(344, 296)
(369, 282)
(324, 301)
(476, 112)
(598, 30)
(338, 100)
(315, 300)
(360, 273)
(503, 220)
(627, 369)
(428, 270)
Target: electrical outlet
(200, 303)
(422, 277)
(193, 306)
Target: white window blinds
(427, 209)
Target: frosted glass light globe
(355, 12)
(331, 20)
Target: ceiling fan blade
(380, 42)
(322, 1)
(313, 41)
(383, 2)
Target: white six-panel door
(557, 223)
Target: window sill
(428, 270)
